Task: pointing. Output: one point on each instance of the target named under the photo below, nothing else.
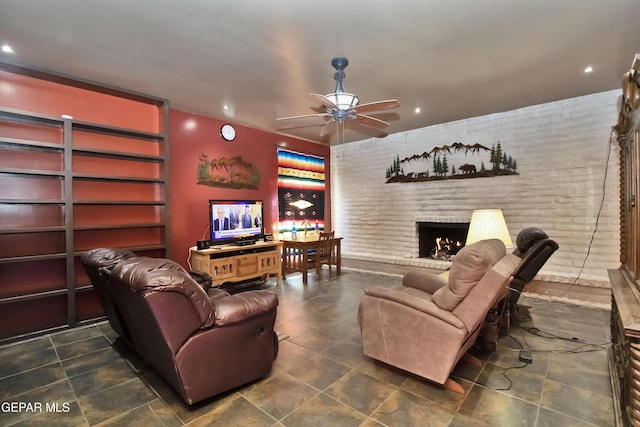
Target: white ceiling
(452, 58)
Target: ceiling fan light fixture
(343, 100)
(342, 108)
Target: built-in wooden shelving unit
(68, 186)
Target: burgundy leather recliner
(95, 260)
(201, 344)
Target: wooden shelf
(44, 294)
(32, 202)
(114, 178)
(131, 248)
(113, 130)
(18, 116)
(58, 228)
(94, 152)
(30, 143)
(33, 296)
(33, 172)
(54, 228)
(25, 258)
(119, 226)
(119, 202)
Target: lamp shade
(343, 100)
(488, 224)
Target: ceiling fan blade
(329, 127)
(371, 121)
(304, 116)
(323, 100)
(377, 106)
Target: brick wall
(561, 151)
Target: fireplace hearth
(441, 240)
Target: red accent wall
(190, 135)
(45, 97)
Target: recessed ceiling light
(7, 49)
(588, 69)
(228, 110)
(417, 110)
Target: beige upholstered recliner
(427, 325)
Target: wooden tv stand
(232, 263)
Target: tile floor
(86, 377)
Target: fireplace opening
(441, 240)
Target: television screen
(235, 220)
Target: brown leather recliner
(202, 345)
(427, 325)
(95, 260)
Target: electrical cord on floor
(523, 318)
(540, 333)
(584, 343)
(584, 347)
(519, 343)
(504, 374)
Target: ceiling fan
(343, 108)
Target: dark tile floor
(86, 377)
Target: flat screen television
(235, 221)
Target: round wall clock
(228, 132)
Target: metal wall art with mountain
(227, 173)
(452, 162)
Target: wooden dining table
(295, 254)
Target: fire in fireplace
(441, 240)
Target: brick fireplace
(436, 240)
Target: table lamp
(488, 224)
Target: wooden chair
(324, 252)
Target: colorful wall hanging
(301, 187)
